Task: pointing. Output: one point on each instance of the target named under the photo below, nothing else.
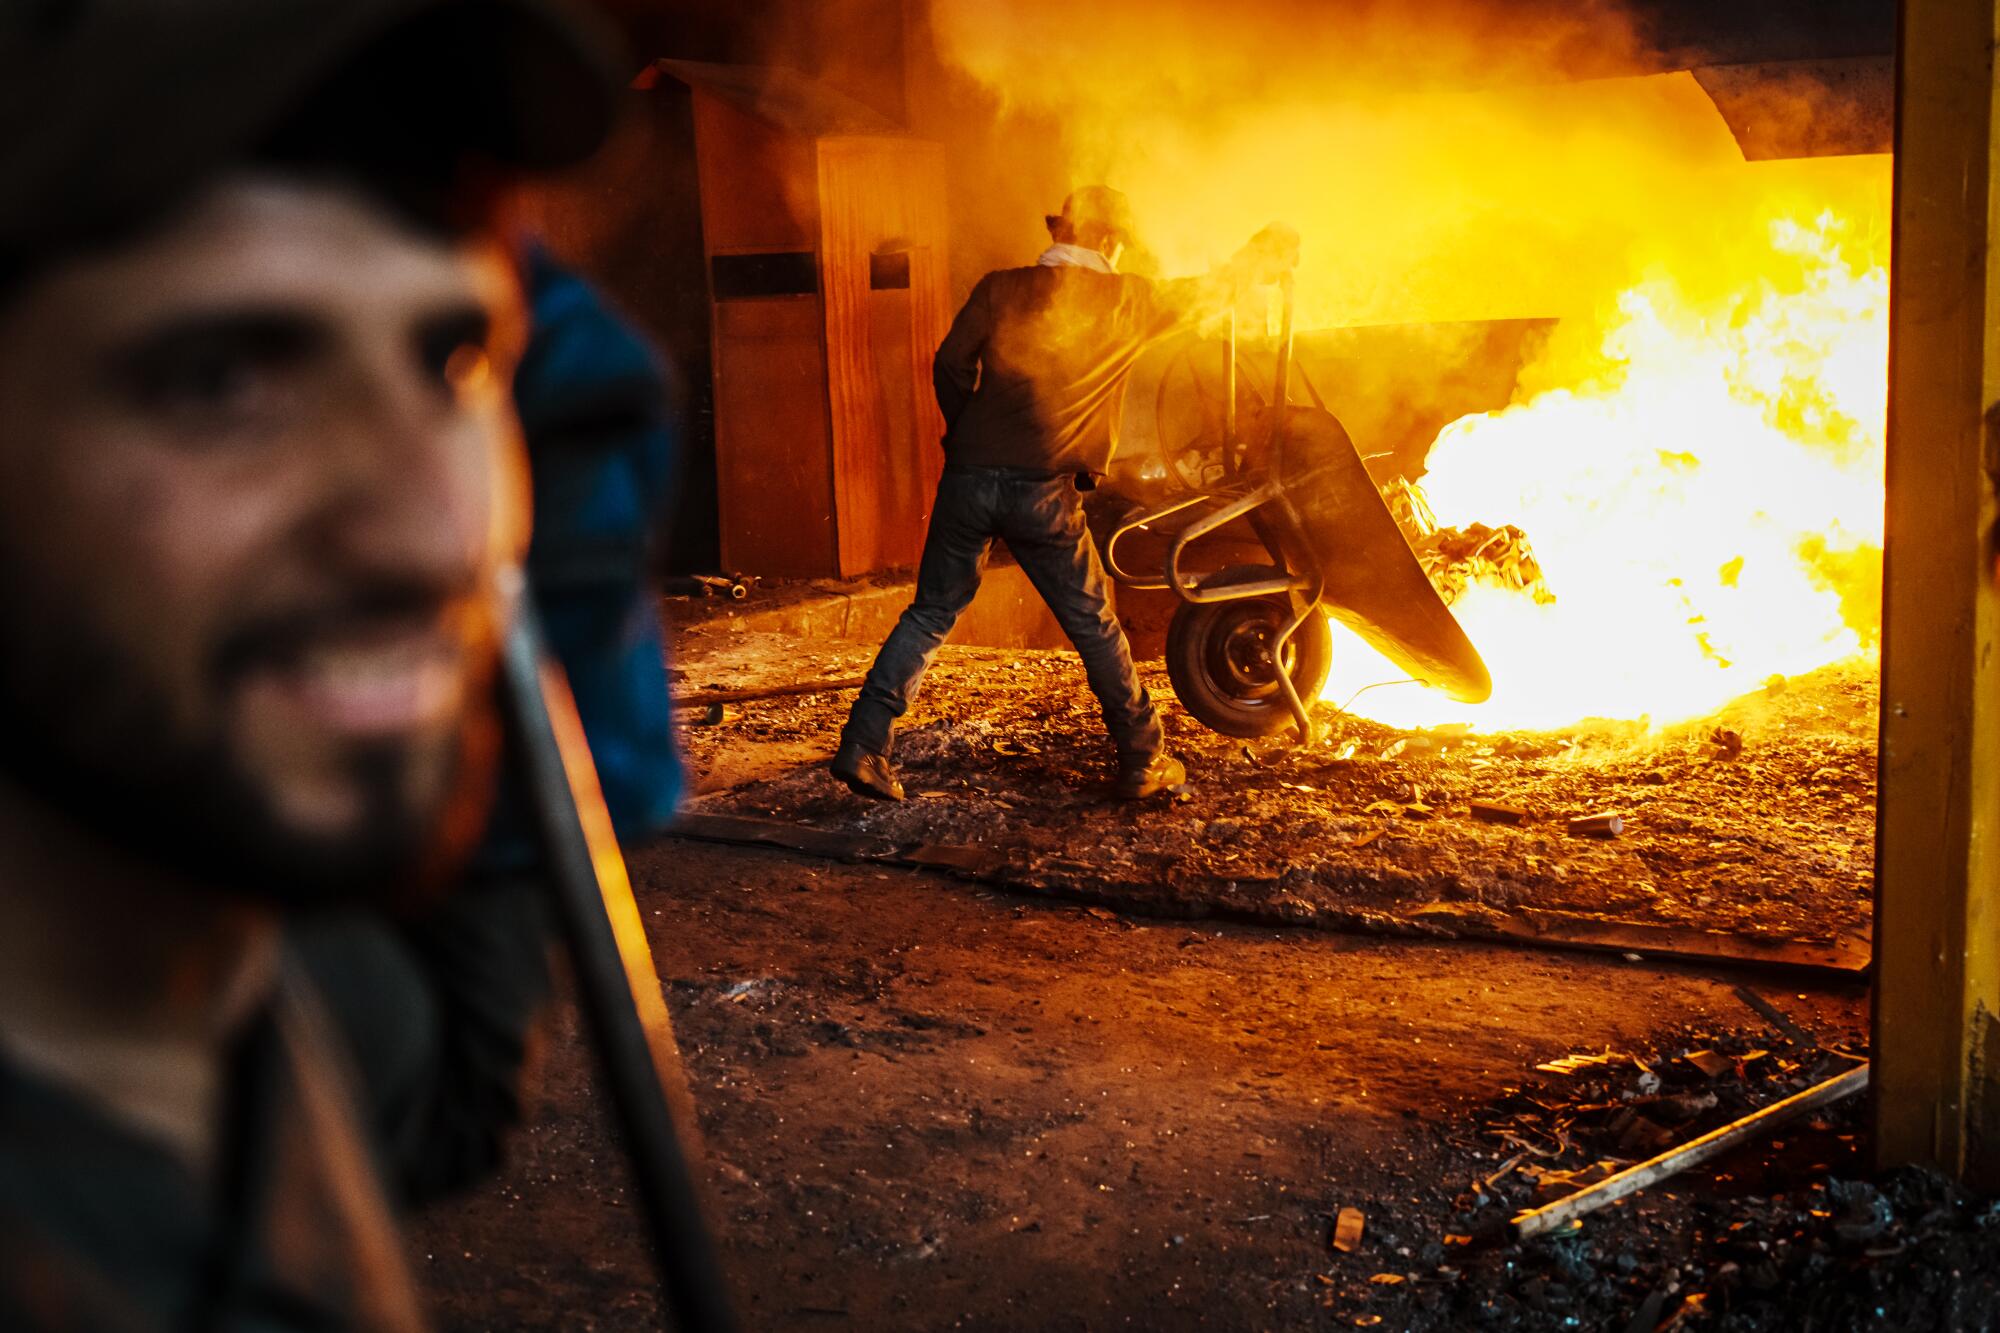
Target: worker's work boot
(1138, 781)
(868, 774)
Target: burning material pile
(1454, 558)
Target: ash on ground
(1758, 821)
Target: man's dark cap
(1095, 206)
(113, 110)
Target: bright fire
(1705, 500)
(1696, 455)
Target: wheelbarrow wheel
(1219, 657)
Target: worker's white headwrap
(1061, 255)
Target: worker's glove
(1269, 255)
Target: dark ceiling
(1719, 32)
(859, 45)
(1684, 32)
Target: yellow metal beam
(1937, 915)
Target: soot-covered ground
(1757, 822)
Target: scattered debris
(1492, 812)
(1777, 1018)
(1603, 825)
(1647, 1318)
(735, 587)
(1002, 745)
(1541, 1221)
(709, 698)
(1772, 1232)
(1347, 1230)
(1709, 1063)
(1569, 1064)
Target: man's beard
(82, 731)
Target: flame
(1695, 456)
(1704, 495)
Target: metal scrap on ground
(1602, 825)
(1347, 1230)
(1539, 1221)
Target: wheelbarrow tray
(1374, 583)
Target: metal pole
(1281, 393)
(618, 989)
(1937, 953)
(1281, 389)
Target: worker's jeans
(1041, 519)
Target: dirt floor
(930, 1106)
(1102, 1078)
(1755, 823)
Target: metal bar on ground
(1937, 1041)
(1541, 1221)
(707, 697)
(1776, 1017)
(617, 986)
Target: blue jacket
(593, 399)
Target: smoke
(1446, 161)
(1199, 56)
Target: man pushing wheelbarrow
(1027, 379)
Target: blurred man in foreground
(1027, 380)
(262, 500)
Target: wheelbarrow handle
(1131, 525)
(619, 991)
(1281, 380)
(1194, 590)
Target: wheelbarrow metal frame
(1303, 588)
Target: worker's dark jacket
(1030, 373)
(387, 1066)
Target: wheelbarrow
(1249, 646)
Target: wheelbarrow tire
(1219, 661)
